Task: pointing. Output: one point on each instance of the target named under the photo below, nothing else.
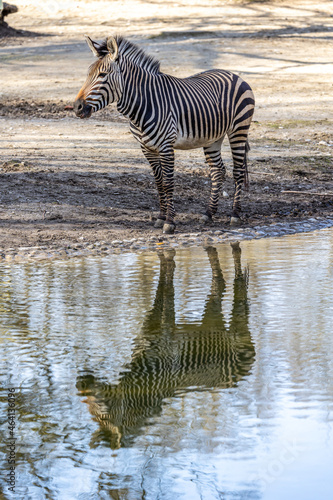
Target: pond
(200, 373)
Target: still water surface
(195, 374)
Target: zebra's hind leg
(155, 164)
(167, 156)
(239, 148)
(217, 176)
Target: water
(196, 374)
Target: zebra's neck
(132, 53)
(136, 102)
(138, 70)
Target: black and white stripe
(171, 356)
(168, 113)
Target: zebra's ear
(95, 47)
(112, 47)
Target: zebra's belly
(193, 142)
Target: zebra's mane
(132, 52)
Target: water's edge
(164, 241)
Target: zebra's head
(103, 84)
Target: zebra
(170, 356)
(168, 113)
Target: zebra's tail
(246, 172)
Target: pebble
(155, 242)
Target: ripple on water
(193, 373)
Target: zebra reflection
(170, 357)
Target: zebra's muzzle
(82, 109)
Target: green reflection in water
(170, 357)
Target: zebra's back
(205, 106)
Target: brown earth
(65, 180)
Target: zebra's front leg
(167, 157)
(217, 176)
(155, 164)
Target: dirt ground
(66, 180)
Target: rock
(235, 221)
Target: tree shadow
(7, 32)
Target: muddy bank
(53, 200)
(155, 243)
(68, 181)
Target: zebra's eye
(102, 74)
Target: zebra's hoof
(159, 223)
(235, 221)
(168, 228)
(205, 219)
